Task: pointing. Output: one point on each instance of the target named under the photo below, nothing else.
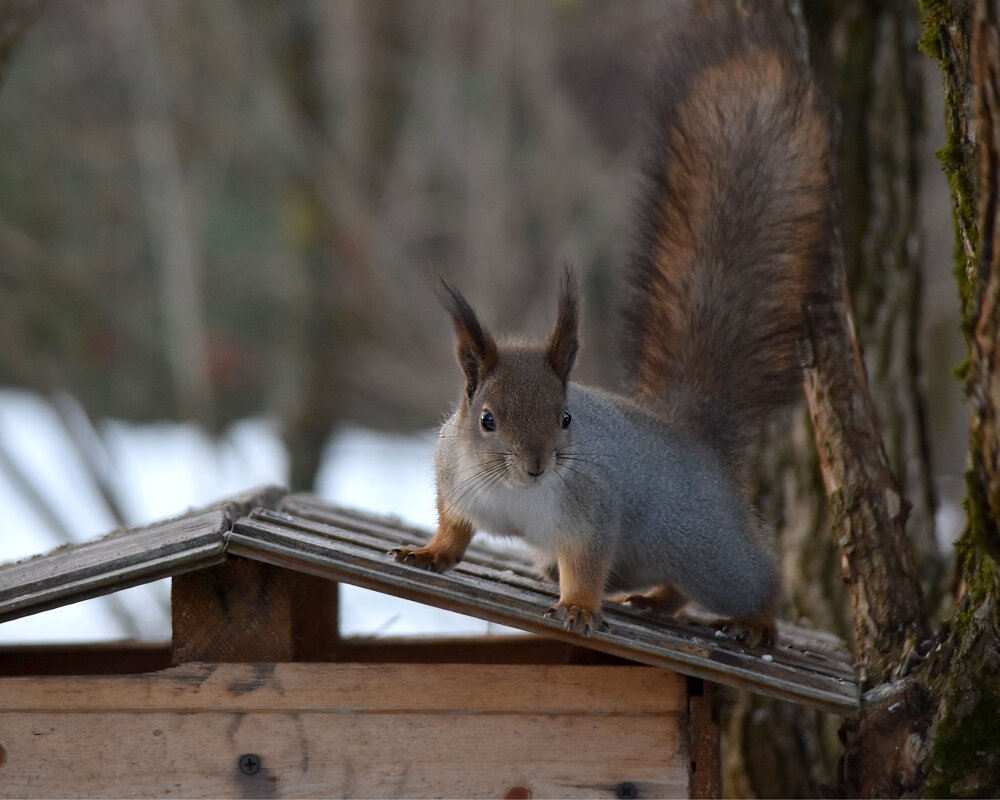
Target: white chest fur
(531, 513)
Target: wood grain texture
(472, 688)
(243, 610)
(126, 658)
(483, 586)
(83, 659)
(124, 558)
(219, 615)
(706, 760)
(347, 730)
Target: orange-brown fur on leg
(581, 587)
(445, 549)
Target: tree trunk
(175, 245)
(329, 219)
(960, 681)
(932, 730)
(865, 52)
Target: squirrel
(642, 493)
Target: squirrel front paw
(425, 558)
(578, 619)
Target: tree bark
(866, 49)
(933, 730)
(868, 511)
(866, 571)
(959, 682)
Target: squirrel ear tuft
(563, 343)
(477, 352)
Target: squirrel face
(514, 408)
(518, 416)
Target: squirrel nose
(534, 466)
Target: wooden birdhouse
(257, 694)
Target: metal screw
(626, 791)
(249, 763)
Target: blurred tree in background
(210, 210)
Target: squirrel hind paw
(756, 632)
(578, 619)
(663, 599)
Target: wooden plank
(333, 552)
(705, 740)
(311, 754)
(124, 658)
(490, 552)
(823, 660)
(300, 510)
(347, 730)
(459, 688)
(83, 659)
(118, 561)
(243, 610)
(124, 558)
(507, 649)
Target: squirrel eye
(566, 419)
(487, 421)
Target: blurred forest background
(214, 211)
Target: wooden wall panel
(378, 730)
(243, 610)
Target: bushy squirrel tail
(735, 225)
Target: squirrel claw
(753, 632)
(637, 601)
(575, 617)
(422, 557)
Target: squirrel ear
(563, 342)
(477, 352)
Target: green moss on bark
(964, 760)
(945, 39)
(980, 536)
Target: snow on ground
(160, 470)
(156, 471)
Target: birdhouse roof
(305, 533)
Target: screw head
(626, 790)
(249, 763)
